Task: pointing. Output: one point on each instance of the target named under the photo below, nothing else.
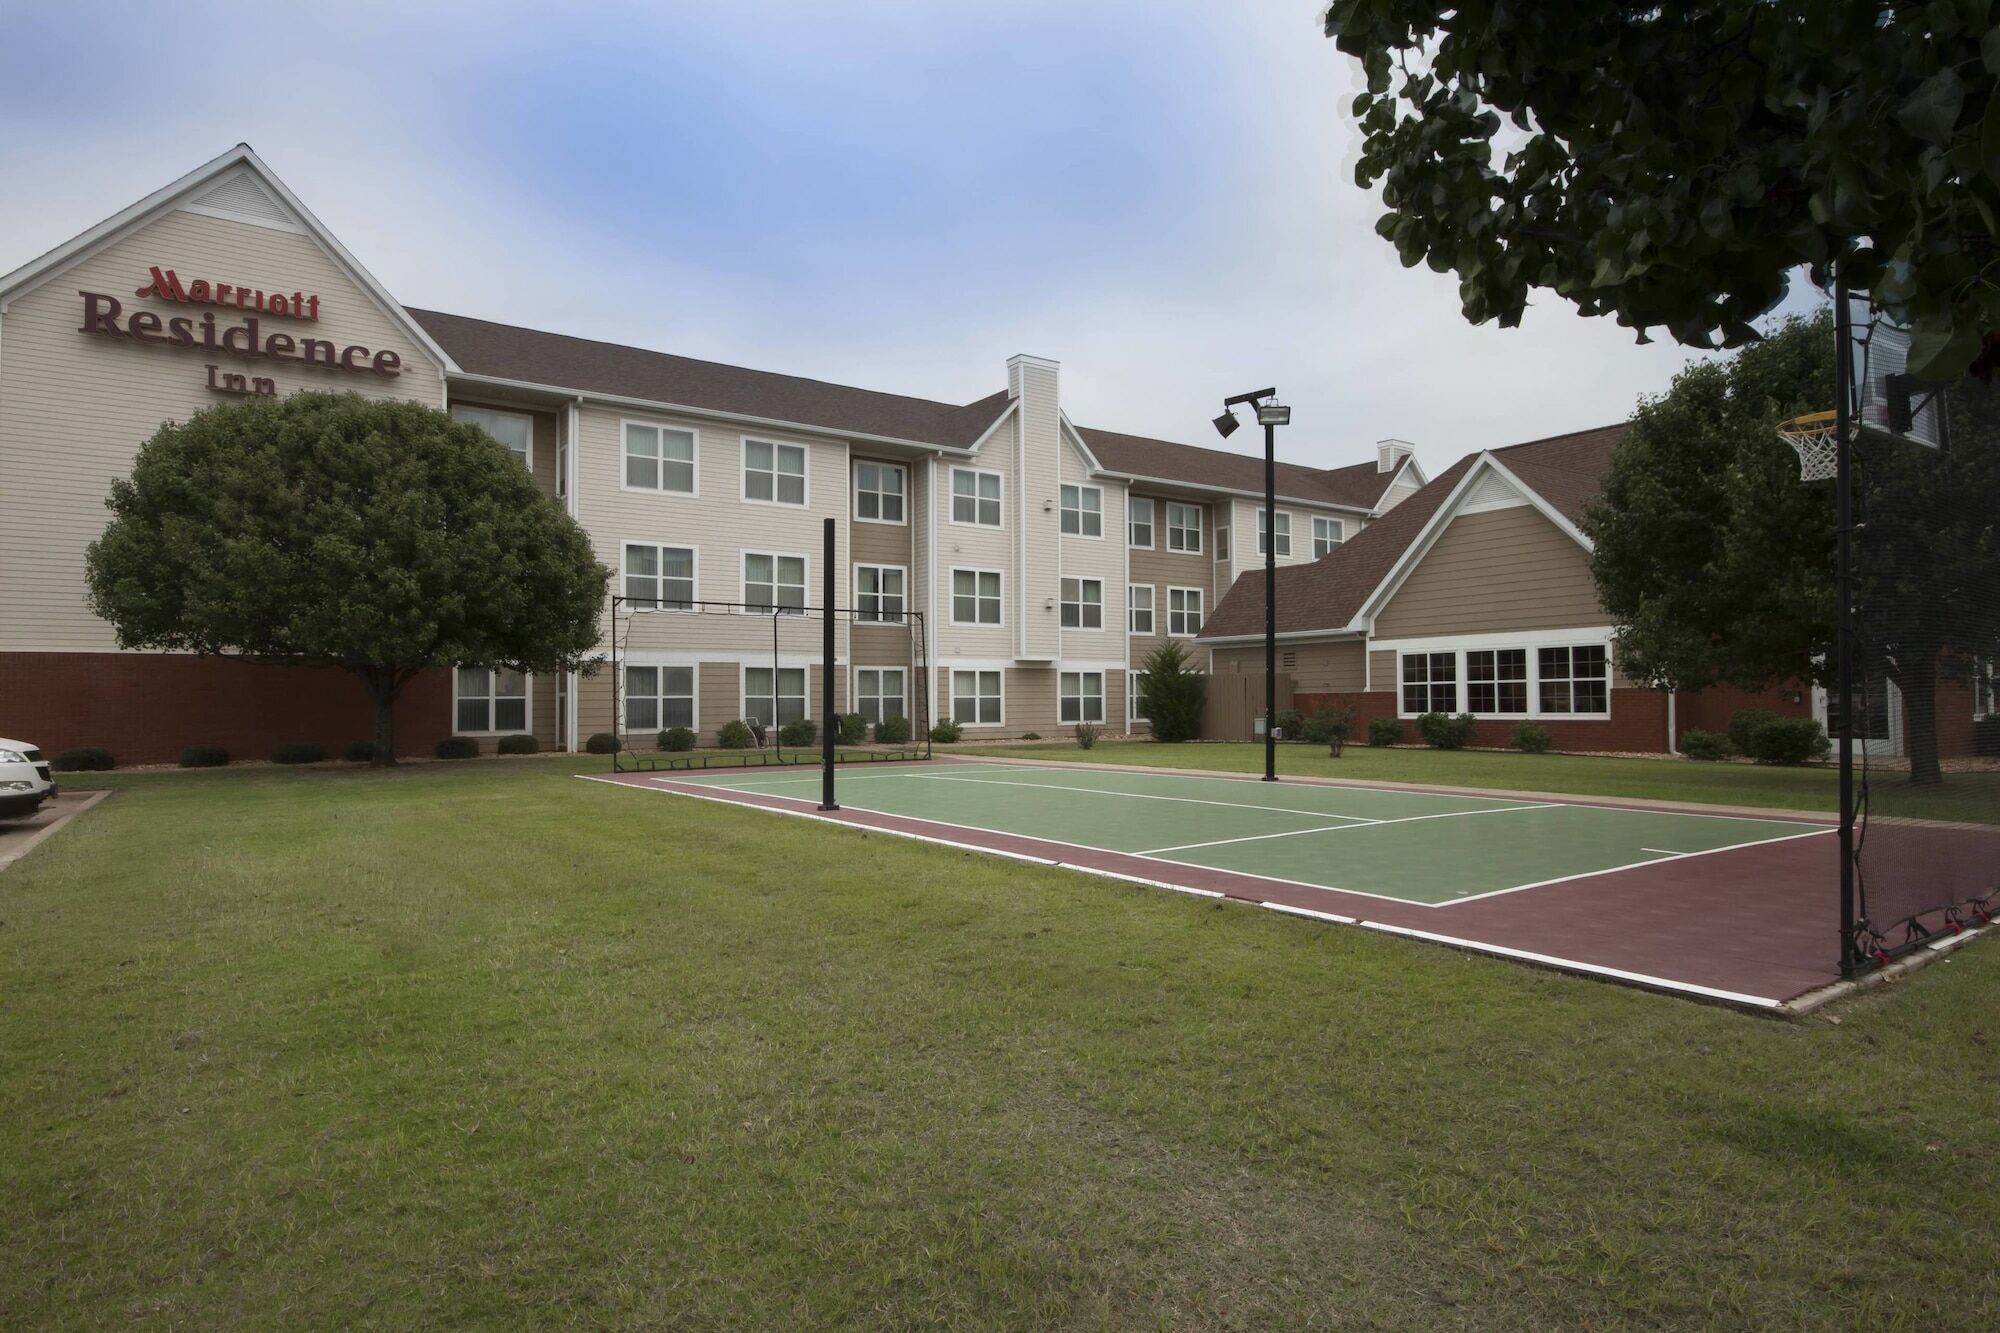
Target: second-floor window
(1082, 511)
(659, 576)
(1139, 597)
(774, 472)
(774, 582)
(516, 430)
(658, 458)
(1139, 522)
(1184, 612)
(1328, 533)
(975, 596)
(975, 497)
(1183, 527)
(1284, 532)
(878, 594)
(878, 492)
(1083, 603)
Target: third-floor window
(1139, 522)
(1183, 527)
(975, 497)
(878, 492)
(659, 458)
(1083, 511)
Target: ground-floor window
(1081, 696)
(1430, 682)
(975, 698)
(1132, 691)
(1508, 681)
(492, 699)
(1985, 690)
(1496, 680)
(878, 692)
(658, 697)
(1575, 679)
(767, 702)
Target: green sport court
(1572, 883)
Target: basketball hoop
(1813, 438)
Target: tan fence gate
(1235, 701)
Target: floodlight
(1226, 424)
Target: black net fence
(1926, 640)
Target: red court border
(1753, 926)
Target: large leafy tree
(383, 538)
(1716, 562)
(1671, 165)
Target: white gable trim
(1486, 465)
(1075, 437)
(1409, 474)
(1005, 416)
(179, 195)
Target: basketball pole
(1843, 638)
(829, 720)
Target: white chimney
(1392, 454)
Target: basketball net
(1814, 439)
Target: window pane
(757, 455)
(677, 477)
(642, 680)
(510, 714)
(791, 490)
(677, 712)
(642, 472)
(472, 715)
(642, 712)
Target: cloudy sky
(897, 194)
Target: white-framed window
(659, 458)
(1496, 681)
(879, 692)
(1082, 511)
(878, 594)
(1183, 527)
(1284, 532)
(1133, 689)
(1328, 533)
(774, 582)
(658, 697)
(489, 700)
(1430, 683)
(1139, 598)
(787, 704)
(516, 430)
(562, 468)
(1139, 522)
(975, 497)
(1222, 546)
(879, 492)
(1985, 690)
(658, 577)
(975, 596)
(975, 699)
(1575, 679)
(1183, 612)
(1083, 603)
(774, 473)
(1080, 696)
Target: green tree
(1716, 562)
(1671, 165)
(383, 538)
(1171, 694)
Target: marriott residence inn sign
(245, 337)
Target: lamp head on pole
(1226, 424)
(1271, 412)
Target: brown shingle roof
(481, 347)
(1359, 486)
(1565, 470)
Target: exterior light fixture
(1226, 424)
(1271, 412)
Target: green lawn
(1964, 796)
(481, 1044)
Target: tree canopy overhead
(1671, 165)
(381, 537)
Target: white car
(24, 779)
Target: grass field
(482, 1044)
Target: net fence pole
(829, 720)
(1844, 588)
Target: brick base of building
(147, 707)
(1637, 725)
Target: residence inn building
(1048, 556)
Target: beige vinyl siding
(875, 543)
(75, 408)
(1163, 569)
(1101, 558)
(1035, 624)
(1315, 668)
(1500, 570)
(965, 546)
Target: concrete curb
(11, 853)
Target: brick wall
(1638, 722)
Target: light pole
(1271, 414)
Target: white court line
(1636, 865)
(1371, 823)
(1668, 851)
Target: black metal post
(829, 720)
(1843, 637)
(1270, 602)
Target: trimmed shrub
(892, 731)
(1444, 731)
(522, 743)
(1708, 746)
(1031, 735)
(1291, 724)
(853, 729)
(946, 733)
(1171, 694)
(83, 759)
(359, 752)
(456, 747)
(676, 738)
(800, 731)
(204, 756)
(1531, 739)
(298, 752)
(1087, 734)
(1788, 741)
(1384, 731)
(601, 742)
(1744, 721)
(735, 735)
